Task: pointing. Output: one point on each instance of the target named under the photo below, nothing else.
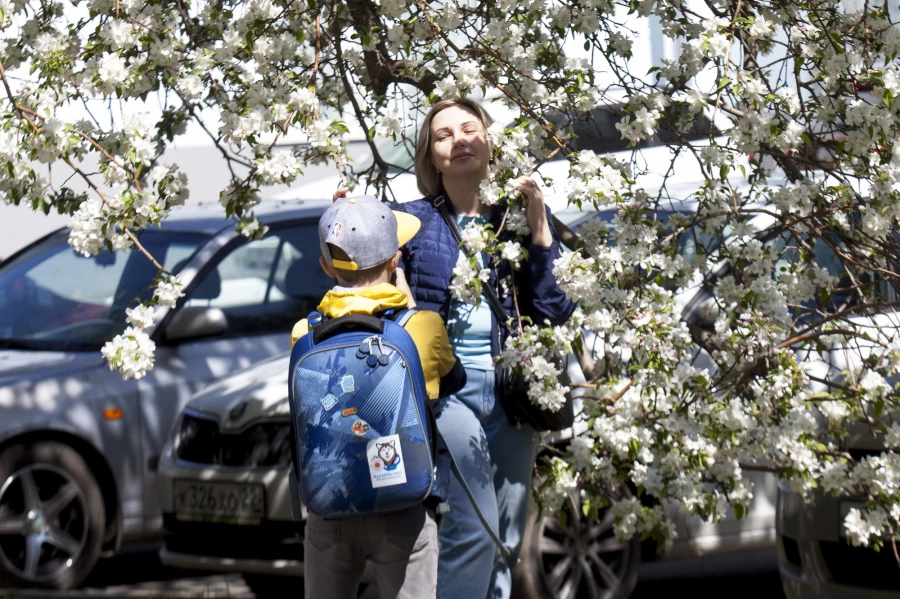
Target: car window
(52, 298)
(267, 285)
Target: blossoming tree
(796, 253)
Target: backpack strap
(351, 321)
(403, 317)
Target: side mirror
(196, 321)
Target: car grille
(260, 445)
(268, 540)
(861, 567)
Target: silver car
(79, 447)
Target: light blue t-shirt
(469, 327)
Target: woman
(495, 457)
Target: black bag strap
(490, 294)
(504, 552)
(358, 321)
(502, 317)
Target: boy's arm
(444, 375)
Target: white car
(815, 558)
(599, 134)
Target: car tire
(268, 586)
(51, 516)
(576, 559)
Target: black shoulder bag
(512, 387)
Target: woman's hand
(403, 286)
(340, 193)
(534, 211)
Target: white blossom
(131, 353)
(168, 291)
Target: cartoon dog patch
(388, 454)
(386, 461)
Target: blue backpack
(363, 432)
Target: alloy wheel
(43, 522)
(582, 558)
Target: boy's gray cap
(366, 229)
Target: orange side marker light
(112, 413)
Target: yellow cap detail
(407, 226)
(343, 264)
(351, 201)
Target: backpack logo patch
(347, 384)
(386, 466)
(348, 412)
(329, 401)
(360, 428)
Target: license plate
(234, 503)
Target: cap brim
(407, 227)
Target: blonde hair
(428, 178)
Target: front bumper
(221, 564)
(267, 548)
(272, 546)
(816, 562)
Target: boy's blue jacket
(430, 257)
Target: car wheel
(266, 586)
(51, 516)
(575, 557)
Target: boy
(360, 240)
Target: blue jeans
(496, 460)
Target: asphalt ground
(137, 572)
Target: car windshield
(52, 298)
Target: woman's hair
(427, 176)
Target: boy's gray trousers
(402, 546)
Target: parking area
(137, 572)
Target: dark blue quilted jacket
(428, 262)
(429, 259)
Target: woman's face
(459, 145)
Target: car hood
(257, 392)
(17, 364)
